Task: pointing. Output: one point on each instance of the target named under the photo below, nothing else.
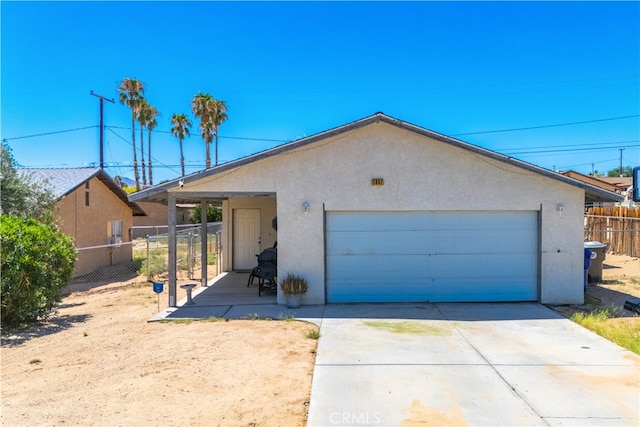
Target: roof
(65, 180)
(621, 182)
(590, 179)
(160, 192)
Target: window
(116, 228)
(86, 198)
(86, 185)
(115, 232)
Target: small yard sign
(157, 288)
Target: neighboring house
(616, 185)
(94, 211)
(157, 217)
(380, 210)
(624, 185)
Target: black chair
(266, 271)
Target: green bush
(37, 262)
(157, 261)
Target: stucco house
(365, 215)
(94, 211)
(617, 185)
(155, 220)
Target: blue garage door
(432, 256)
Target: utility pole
(102, 99)
(621, 162)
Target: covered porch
(249, 226)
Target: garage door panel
(362, 266)
(388, 221)
(395, 267)
(430, 242)
(481, 241)
(437, 291)
(482, 266)
(495, 291)
(437, 256)
(381, 292)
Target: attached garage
(432, 256)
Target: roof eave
(119, 192)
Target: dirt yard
(620, 281)
(98, 362)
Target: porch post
(203, 241)
(172, 241)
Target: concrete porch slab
(229, 297)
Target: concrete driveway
(468, 364)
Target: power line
(587, 164)
(588, 144)
(154, 158)
(547, 126)
(569, 150)
(49, 133)
(284, 140)
(221, 137)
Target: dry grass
(603, 311)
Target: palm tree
(202, 106)
(152, 122)
(180, 129)
(219, 116)
(131, 94)
(143, 118)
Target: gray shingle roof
(62, 180)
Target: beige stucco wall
(420, 174)
(157, 215)
(89, 225)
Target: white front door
(246, 238)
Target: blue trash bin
(587, 264)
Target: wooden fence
(617, 227)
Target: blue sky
(292, 69)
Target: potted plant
(293, 288)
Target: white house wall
(420, 174)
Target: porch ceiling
(186, 196)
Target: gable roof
(66, 180)
(597, 181)
(159, 192)
(622, 183)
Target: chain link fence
(142, 231)
(147, 259)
